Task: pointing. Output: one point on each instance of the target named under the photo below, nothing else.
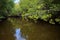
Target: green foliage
(6, 7)
(47, 10)
(15, 10)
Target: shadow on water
(16, 29)
(6, 31)
(41, 31)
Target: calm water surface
(16, 29)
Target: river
(19, 29)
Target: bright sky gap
(16, 1)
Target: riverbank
(27, 19)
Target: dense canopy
(47, 10)
(6, 7)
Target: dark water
(16, 29)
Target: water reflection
(18, 34)
(16, 29)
